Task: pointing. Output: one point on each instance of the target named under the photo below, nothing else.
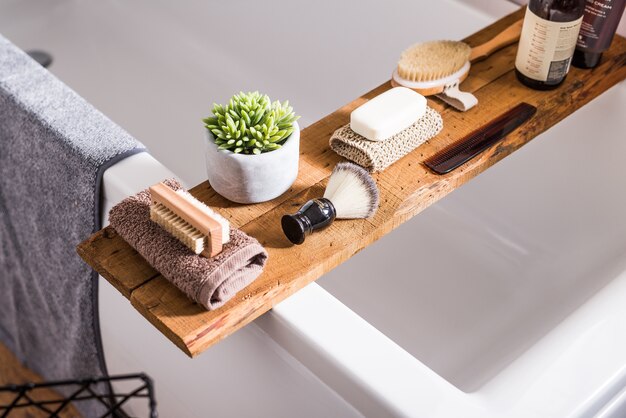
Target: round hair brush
(438, 67)
(351, 193)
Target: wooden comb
(190, 221)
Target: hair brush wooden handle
(507, 37)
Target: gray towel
(54, 147)
(209, 281)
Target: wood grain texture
(176, 203)
(507, 37)
(12, 372)
(406, 188)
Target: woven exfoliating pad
(378, 155)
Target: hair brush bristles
(433, 60)
(352, 191)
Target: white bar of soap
(388, 114)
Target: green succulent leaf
(250, 123)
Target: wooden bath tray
(406, 188)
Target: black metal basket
(84, 389)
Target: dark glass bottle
(547, 42)
(600, 21)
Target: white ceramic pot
(245, 178)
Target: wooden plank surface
(406, 188)
(13, 372)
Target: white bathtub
(525, 316)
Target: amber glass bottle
(547, 43)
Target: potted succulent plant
(252, 148)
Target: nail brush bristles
(178, 228)
(352, 191)
(219, 218)
(186, 233)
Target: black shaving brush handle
(315, 214)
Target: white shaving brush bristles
(352, 191)
(433, 60)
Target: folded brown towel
(378, 155)
(209, 281)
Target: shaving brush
(351, 193)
